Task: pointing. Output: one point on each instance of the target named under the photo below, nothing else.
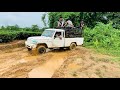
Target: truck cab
(54, 38)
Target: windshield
(48, 33)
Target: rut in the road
(47, 69)
(81, 62)
(17, 63)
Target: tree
(27, 29)
(8, 27)
(16, 26)
(43, 19)
(90, 18)
(2, 28)
(35, 28)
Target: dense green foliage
(90, 18)
(103, 37)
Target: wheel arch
(42, 44)
(74, 42)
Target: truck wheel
(41, 49)
(61, 48)
(29, 49)
(72, 46)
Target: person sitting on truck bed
(81, 24)
(68, 23)
(61, 22)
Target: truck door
(58, 40)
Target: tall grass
(104, 38)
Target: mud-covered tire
(61, 48)
(72, 46)
(41, 49)
(29, 49)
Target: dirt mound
(83, 63)
(11, 45)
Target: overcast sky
(23, 19)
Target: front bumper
(29, 45)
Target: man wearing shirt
(69, 23)
(61, 22)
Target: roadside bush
(7, 37)
(102, 36)
(24, 35)
(16, 35)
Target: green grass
(110, 52)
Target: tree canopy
(90, 18)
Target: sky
(22, 19)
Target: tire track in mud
(47, 69)
(80, 63)
(18, 62)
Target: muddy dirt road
(78, 63)
(19, 63)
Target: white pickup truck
(48, 39)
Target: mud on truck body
(70, 38)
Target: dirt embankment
(12, 45)
(78, 63)
(84, 63)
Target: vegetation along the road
(101, 31)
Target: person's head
(60, 19)
(82, 20)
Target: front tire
(61, 48)
(72, 46)
(41, 49)
(29, 49)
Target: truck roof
(55, 29)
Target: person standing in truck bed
(82, 24)
(61, 22)
(69, 23)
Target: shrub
(102, 36)
(16, 35)
(25, 34)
